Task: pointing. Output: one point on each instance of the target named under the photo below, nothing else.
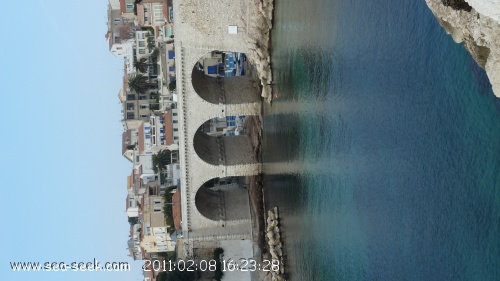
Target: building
(134, 245)
(120, 32)
(151, 14)
(222, 64)
(129, 143)
(132, 208)
(229, 126)
(171, 131)
(127, 8)
(135, 106)
(155, 235)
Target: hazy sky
(63, 177)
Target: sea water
(382, 145)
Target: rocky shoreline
(479, 33)
(274, 245)
(259, 31)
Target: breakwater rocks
(259, 30)
(274, 245)
(480, 33)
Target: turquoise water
(382, 148)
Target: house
(119, 34)
(150, 14)
(171, 131)
(132, 207)
(155, 231)
(127, 8)
(135, 106)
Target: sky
(63, 175)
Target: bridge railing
(187, 200)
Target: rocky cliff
(480, 32)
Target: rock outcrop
(274, 246)
(479, 32)
(259, 35)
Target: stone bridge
(200, 28)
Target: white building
(132, 206)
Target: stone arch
(224, 199)
(219, 149)
(215, 88)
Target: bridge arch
(224, 199)
(225, 141)
(225, 77)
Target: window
(129, 5)
(144, 106)
(158, 14)
(143, 97)
(130, 97)
(176, 138)
(157, 7)
(175, 122)
(174, 114)
(159, 20)
(118, 19)
(175, 129)
(157, 210)
(141, 35)
(130, 115)
(130, 106)
(142, 51)
(145, 10)
(142, 44)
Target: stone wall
(201, 27)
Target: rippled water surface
(382, 148)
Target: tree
(139, 83)
(141, 65)
(155, 53)
(172, 85)
(161, 159)
(132, 220)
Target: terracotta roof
(122, 6)
(125, 82)
(110, 42)
(165, 12)
(125, 140)
(176, 209)
(132, 177)
(169, 128)
(140, 14)
(140, 141)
